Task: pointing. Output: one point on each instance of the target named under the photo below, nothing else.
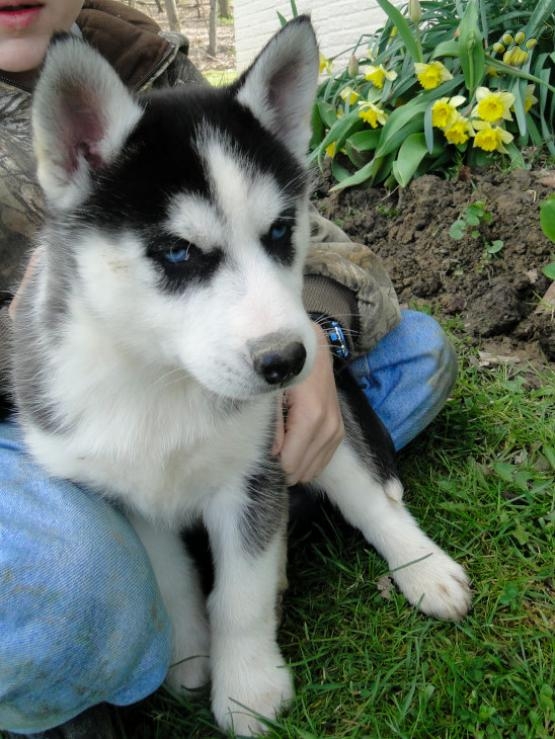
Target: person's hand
(306, 441)
(31, 266)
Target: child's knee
(81, 616)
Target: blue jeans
(408, 376)
(81, 617)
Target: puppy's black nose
(277, 366)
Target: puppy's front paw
(248, 689)
(435, 584)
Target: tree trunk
(224, 8)
(171, 12)
(212, 21)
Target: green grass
(220, 77)
(481, 482)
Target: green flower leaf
(339, 171)
(547, 217)
(328, 112)
(536, 22)
(518, 90)
(405, 32)
(364, 140)
(340, 130)
(363, 174)
(447, 48)
(411, 152)
(505, 69)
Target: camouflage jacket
(343, 279)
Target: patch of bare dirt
(499, 297)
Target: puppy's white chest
(166, 467)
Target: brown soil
(498, 297)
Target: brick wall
(339, 23)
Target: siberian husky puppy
(164, 316)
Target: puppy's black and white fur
(163, 317)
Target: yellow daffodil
(331, 150)
(372, 114)
(431, 75)
(378, 75)
(325, 64)
(459, 130)
(349, 95)
(444, 110)
(529, 98)
(493, 106)
(491, 138)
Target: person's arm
(309, 423)
(348, 282)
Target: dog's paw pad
(437, 585)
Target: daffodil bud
(507, 39)
(508, 56)
(353, 66)
(517, 57)
(498, 48)
(519, 37)
(415, 11)
(531, 43)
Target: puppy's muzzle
(277, 359)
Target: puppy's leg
(182, 595)
(249, 676)
(427, 576)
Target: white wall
(339, 24)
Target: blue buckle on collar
(336, 339)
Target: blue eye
(279, 231)
(177, 255)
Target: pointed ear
(82, 115)
(280, 85)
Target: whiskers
(174, 376)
